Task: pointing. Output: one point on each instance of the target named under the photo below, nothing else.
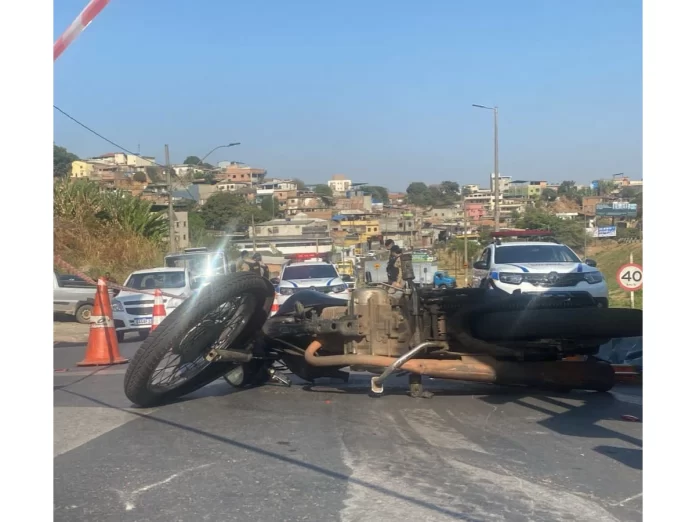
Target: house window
(184, 237)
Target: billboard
(617, 208)
(604, 232)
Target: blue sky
(380, 91)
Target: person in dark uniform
(249, 264)
(394, 266)
(388, 244)
(263, 268)
(243, 255)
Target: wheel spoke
(218, 329)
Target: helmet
(256, 256)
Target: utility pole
(497, 174)
(253, 231)
(172, 238)
(466, 240)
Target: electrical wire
(114, 143)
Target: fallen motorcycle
(468, 334)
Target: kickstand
(279, 378)
(415, 387)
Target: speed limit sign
(630, 277)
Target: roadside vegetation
(100, 232)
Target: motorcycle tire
(578, 323)
(182, 321)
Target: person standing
(239, 265)
(263, 268)
(394, 276)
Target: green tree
(418, 193)
(378, 193)
(271, 206)
(323, 190)
(192, 160)
(548, 195)
(570, 232)
(62, 161)
(222, 210)
(450, 188)
(300, 184)
(156, 174)
(567, 188)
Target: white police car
(317, 276)
(541, 267)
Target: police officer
(249, 265)
(394, 266)
(263, 268)
(239, 265)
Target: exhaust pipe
(484, 369)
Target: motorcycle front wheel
(171, 362)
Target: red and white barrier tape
(93, 8)
(57, 260)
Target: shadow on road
(584, 420)
(283, 458)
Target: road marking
(561, 505)
(96, 373)
(128, 499)
(633, 399)
(435, 430)
(75, 426)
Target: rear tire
(183, 334)
(83, 313)
(574, 323)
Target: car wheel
(83, 313)
(120, 336)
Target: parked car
(133, 310)
(317, 276)
(539, 267)
(73, 299)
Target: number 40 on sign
(630, 277)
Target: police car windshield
(309, 272)
(153, 280)
(535, 254)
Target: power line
(114, 143)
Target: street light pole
(216, 148)
(496, 174)
(172, 238)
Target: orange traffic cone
(102, 346)
(158, 312)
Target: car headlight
(594, 277)
(172, 303)
(117, 306)
(511, 279)
(339, 288)
(286, 291)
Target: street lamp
(496, 174)
(216, 148)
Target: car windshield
(535, 254)
(152, 280)
(309, 272)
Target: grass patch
(97, 249)
(609, 258)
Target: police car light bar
(522, 233)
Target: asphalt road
(331, 453)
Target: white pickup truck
(73, 299)
(133, 310)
